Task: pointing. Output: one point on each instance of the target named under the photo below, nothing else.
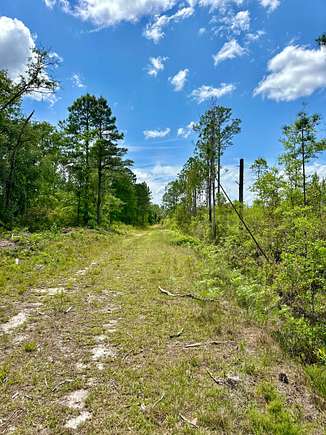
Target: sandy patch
(101, 351)
(52, 291)
(14, 322)
(76, 399)
(75, 422)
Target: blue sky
(156, 61)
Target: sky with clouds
(160, 62)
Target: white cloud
(202, 31)
(111, 12)
(179, 80)
(294, 72)
(157, 177)
(230, 50)
(207, 92)
(154, 31)
(77, 81)
(241, 22)
(185, 132)
(16, 46)
(219, 4)
(16, 49)
(156, 64)
(252, 37)
(156, 134)
(271, 5)
(238, 23)
(50, 3)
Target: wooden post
(241, 184)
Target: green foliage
(276, 419)
(73, 174)
(317, 375)
(288, 220)
(30, 347)
(3, 374)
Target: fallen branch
(217, 381)
(158, 401)
(185, 295)
(207, 343)
(231, 381)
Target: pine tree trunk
(303, 168)
(99, 193)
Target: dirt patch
(14, 322)
(75, 400)
(52, 291)
(74, 422)
(102, 351)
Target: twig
(15, 414)
(192, 423)
(68, 310)
(217, 381)
(207, 343)
(185, 295)
(61, 383)
(158, 401)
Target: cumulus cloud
(16, 46)
(16, 50)
(157, 177)
(230, 50)
(156, 64)
(271, 5)
(185, 132)
(207, 92)
(154, 31)
(294, 72)
(179, 80)
(156, 134)
(77, 81)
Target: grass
(153, 379)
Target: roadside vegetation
(275, 249)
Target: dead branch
(207, 343)
(217, 381)
(158, 401)
(185, 295)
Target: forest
(74, 173)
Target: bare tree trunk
(303, 168)
(99, 193)
(209, 196)
(214, 210)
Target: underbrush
(256, 289)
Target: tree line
(287, 218)
(74, 173)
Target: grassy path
(91, 346)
